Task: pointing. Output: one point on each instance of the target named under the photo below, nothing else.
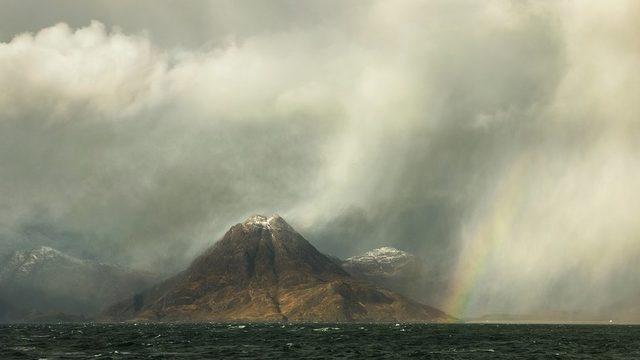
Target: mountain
(262, 270)
(388, 267)
(37, 283)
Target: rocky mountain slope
(45, 281)
(263, 270)
(388, 267)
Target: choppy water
(157, 341)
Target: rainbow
(487, 234)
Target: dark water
(215, 341)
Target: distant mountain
(388, 267)
(38, 283)
(263, 270)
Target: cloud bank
(497, 140)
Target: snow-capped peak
(385, 254)
(25, 261)
(257, 220)
(275, 221)
(385, 261)
(45, 252)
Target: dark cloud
(496, 140)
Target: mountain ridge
(390, 268)
(262, 270)
(44, 280)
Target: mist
(496, 140)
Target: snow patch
(385, 255)
(275, 221)
(257, 220)
(25, 261)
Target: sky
(497, 140)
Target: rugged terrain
(44, 283)
(388, 267)
(262, 270)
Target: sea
(318, 341)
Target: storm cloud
(497, 140)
